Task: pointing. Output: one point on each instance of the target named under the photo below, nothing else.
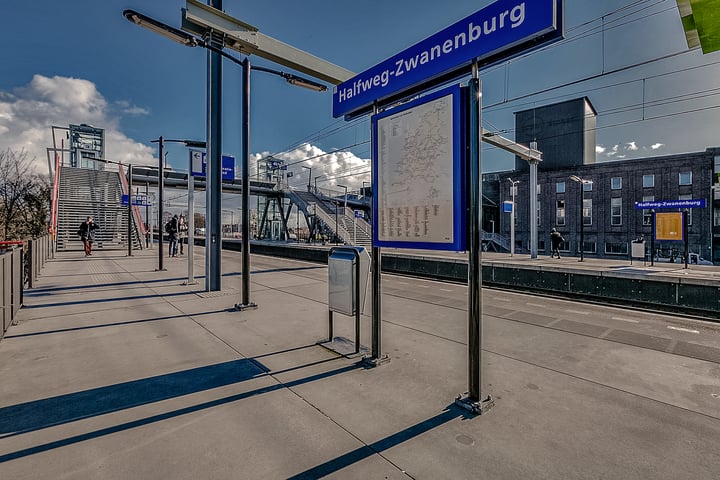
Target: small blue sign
(507, 207)
(669, 204)
(358, 214)
(199, 165)
(137, 200)
(494, 33)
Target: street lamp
(581, 182)
(319, 176)
(513, 187)
(213, 182)
(309, 175)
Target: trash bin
(348, 272)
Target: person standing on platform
(182, 232)
(555, 240)
(171, 228)
(87, 234)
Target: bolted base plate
(241, 306)
(371, 362)
(474, 406)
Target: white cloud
(600, 149)
(656, 146)
(332, 168)
(27, 113)
(632, 146)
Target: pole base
(245, 306)
(190, 283)
(372, 362)
(474, 406)
(161, 269)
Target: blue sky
(81, 61)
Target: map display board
(669, 226)
(419, 174)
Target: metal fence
(20, 265)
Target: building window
(689, 210)
(616, 211)
(716, 217)
(616, 183)
(685, 178)
(587, 186)
(589, 247)
(648, 181)
(560, 213)
(537, 190)
(616, 248)
(564, 246)
(587, 211)
(560, 187)
(647, 213)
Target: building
(611, 220)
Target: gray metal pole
(582, 221)
(245, 174)
(213, 203)
(191, 223)
(476, 401)
(161, 186)
(377, 358)
(147, 214)
(129, 224)
(533, 208)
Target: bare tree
(24, 197)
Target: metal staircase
(325, 210)
(96, 193)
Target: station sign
(137, 200)
(668, 204)
(199, 165)
(497, 32)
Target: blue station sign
(669, 204)
(498, 31)
(199, 165)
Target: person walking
(172, 230)
(182, 232)
(87, 234)
(555, 241)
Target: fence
(20, 265)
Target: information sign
(669, 226)
(137, 200)
(419, 171)
(667, 204)
(199, 165)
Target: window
(716, 219)
(513, 190)
(560, 213)
(537, 212)
(647, 214)
(589, 247)
(616, 211)
(648, 181)
(537, 190)
(560, 187)
(587, 186)
(685, 178)
(616, 183)
(616, 248)
(689, 210)
(587, 211)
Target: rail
(20, 265)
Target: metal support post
(246, 303)
(582, 221)
(129, 224)
(533, 208)
(161, 186)
(652, 238)
(376, 356)
(686, 233)
(475, 399)
(213, 193)
(148, 227)
(190, 221)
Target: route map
(415, 174)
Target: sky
(81, 61)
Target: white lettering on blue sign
(669, 204)
(501, 25)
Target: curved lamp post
(581, 182)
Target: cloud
(28, 112)
(600, 149)
(333, 168)
(632, 146)
(132, 110)
(656, 146)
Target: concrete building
(611, 220)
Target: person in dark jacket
(555, 241)
(172, 230)
(87, 234)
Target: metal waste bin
(348, 273)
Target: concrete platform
(117, 371)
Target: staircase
(325, 212)
(96, 193)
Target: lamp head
(163, 29)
